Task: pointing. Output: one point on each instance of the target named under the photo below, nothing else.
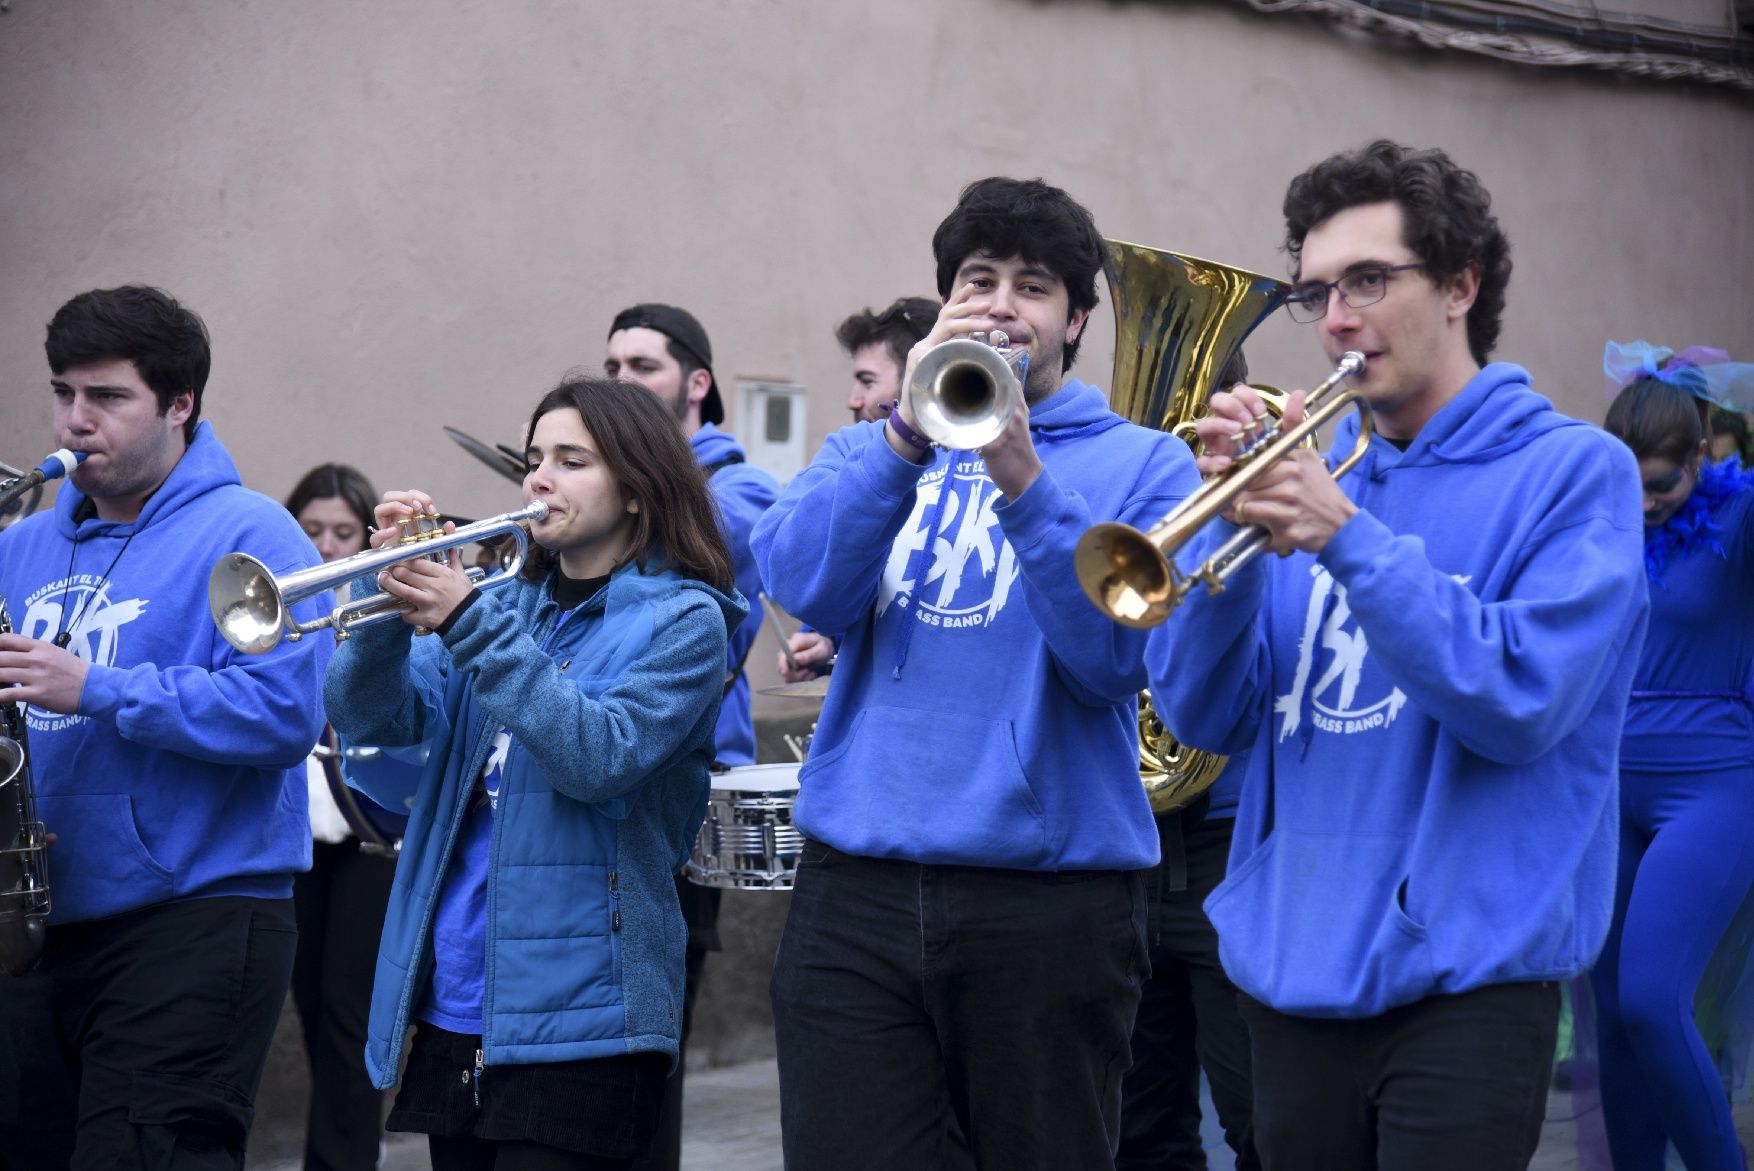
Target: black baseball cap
(680, 327)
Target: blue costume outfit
(1686, 831)
(971, 800)
(602, 784)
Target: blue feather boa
(1692, 527)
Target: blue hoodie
(1434, 704)
(183, 772)
(983, 711)
(601, 794)
(743, 492)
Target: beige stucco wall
(410, 213)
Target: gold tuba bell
(1178, 321)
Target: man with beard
(665, 350)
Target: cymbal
(498, 456)
(809, 689)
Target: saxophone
(24, 870)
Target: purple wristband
(905, 433)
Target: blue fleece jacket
(182, 774)
(1434, 704)
(602, 792)
(743, 492)
(983, 711)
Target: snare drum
(747, 841)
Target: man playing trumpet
(966, 931)
(1432, 684)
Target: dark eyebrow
(559, 449)
(981, 267)
(1355, 266)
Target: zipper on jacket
(615, 897)
(476, 1077)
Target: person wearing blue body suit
(534, 936)
(1431, 682)
(1686, 764)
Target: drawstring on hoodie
(925, 556)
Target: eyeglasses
(1362, 286)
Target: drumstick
(773, 616)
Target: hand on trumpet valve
(429, 589)
(1235, 423)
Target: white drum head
(758, 778)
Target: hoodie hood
(205, 466)
(1074, 411)
(1494, 415)
(713, 446)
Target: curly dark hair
(1027, 218)
(166, 341)
(897, 328)
(677, 524)
(1448, 219)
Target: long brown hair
(677, 525)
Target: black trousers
(340, 904)
(1448, 1083)
(1188, 1016)
(904, 992)
(139, 1041)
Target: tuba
(24, 870)
(1178, 321)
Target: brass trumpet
(1131, 576)
(964, 390)
(253, 608)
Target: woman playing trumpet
(534, 937)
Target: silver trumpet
(253, 608)
(964, 390)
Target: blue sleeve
(823, 544)
(595, 749)
(1208, 663)
(1100, 661)
(743, 493)
(254, 710)
(383, 686)
(1509, 678)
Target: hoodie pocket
(1314, 925)
(915, 784)
(99, 866)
